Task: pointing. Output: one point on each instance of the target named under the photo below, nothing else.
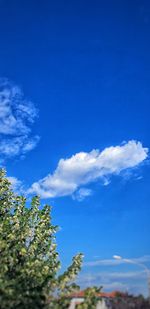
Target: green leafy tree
(29, 262)
(91, 298)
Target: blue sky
(75, 78)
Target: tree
(91, 298)
(29, 262)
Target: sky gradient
(74, 126)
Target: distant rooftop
(81, 294)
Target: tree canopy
(29, 262)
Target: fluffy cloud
(16, 116)
(73, 174)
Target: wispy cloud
(81, 194)
(113, 262)
(16, 184)
(74, 173)
(124, 281)
(17, 114)
(100, 279)
(107, 277)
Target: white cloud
(106, 276)
(124, 275)
(115, 286)
(16, 116)
(81, 169)
(16, 184)
(142, 259)
(131, 281)
(17, 145)
(81, 194)
(113, 262)
(105, 262)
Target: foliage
(119, 301)
(29, 262)
(91, 298)
(127, 301)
